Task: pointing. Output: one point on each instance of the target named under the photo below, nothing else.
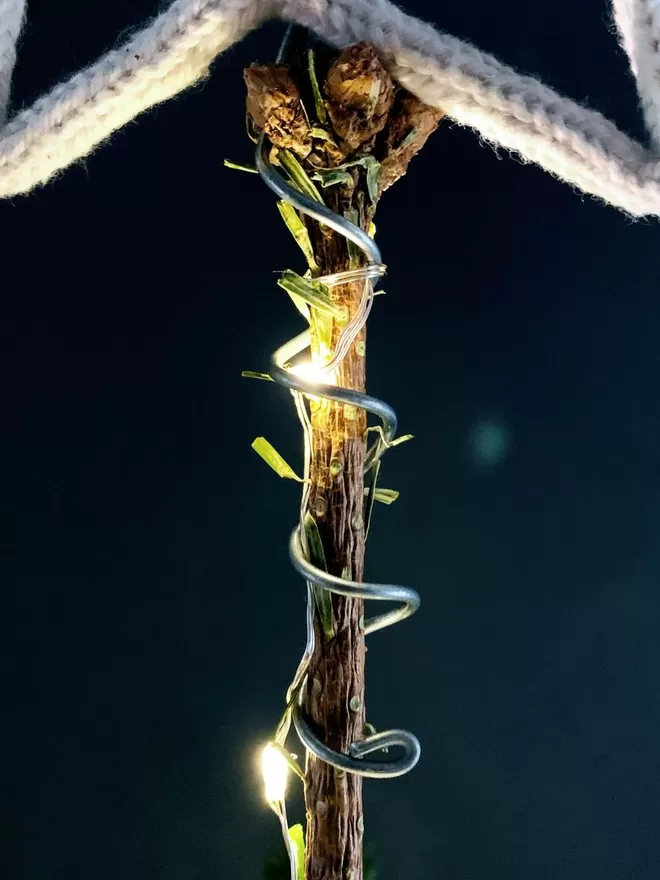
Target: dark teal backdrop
(150, 621)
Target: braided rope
(641, 20)
(578, 145)
(11, 19)
(624, 14)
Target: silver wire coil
(357, 761)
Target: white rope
(623, 13)
(11, 19)
(643, 21)
(578, 145)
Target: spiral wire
(407, 600)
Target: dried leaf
(321, 134)
(409, 139)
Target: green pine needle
(238, 166)
(319, 106)
(385, 496)
(298, 176)
(299, 231)
(332, 177)
(274, 460)
(313, 292)
(252, 374)
(297, 838)
(322, 597)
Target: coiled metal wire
(358, 760)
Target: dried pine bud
(274, 106)
(360, 93)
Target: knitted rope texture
(11, 19)
(518, 112)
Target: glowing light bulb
(309, 372)
(275, 771)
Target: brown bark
(335, 684)
(368, 116)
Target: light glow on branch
(313, 374)
(275, 771)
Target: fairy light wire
(359, 760)
(407, 598)
(373, 271)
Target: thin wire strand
(367, 274)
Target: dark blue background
(150, 620)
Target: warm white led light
(309, 372)
(275, 771)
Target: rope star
(520, 113)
